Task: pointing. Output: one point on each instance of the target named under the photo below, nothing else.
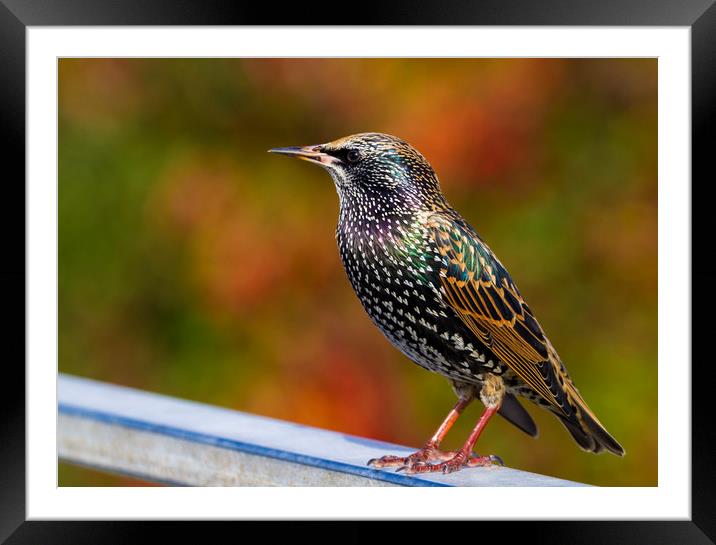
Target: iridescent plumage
(441, 296)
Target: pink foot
(456, 462)
(429, 453)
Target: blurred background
(194, 264)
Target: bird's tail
(582, 423)
(584, 426)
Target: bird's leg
(429, 451)
(492, 393)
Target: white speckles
(478, 356)
(425, 324)
(458, 341)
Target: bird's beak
(307, 153)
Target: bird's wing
(481, 292)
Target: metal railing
(178, 442)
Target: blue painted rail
(179, 442)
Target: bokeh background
(194, 264)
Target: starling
(441, 296)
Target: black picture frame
(17, 15)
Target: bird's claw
(496, 460)
(389, 461)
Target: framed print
(164, 252)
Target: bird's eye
(353, 156)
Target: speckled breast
(394, 269)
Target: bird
(440, 295)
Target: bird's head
(375, 169)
